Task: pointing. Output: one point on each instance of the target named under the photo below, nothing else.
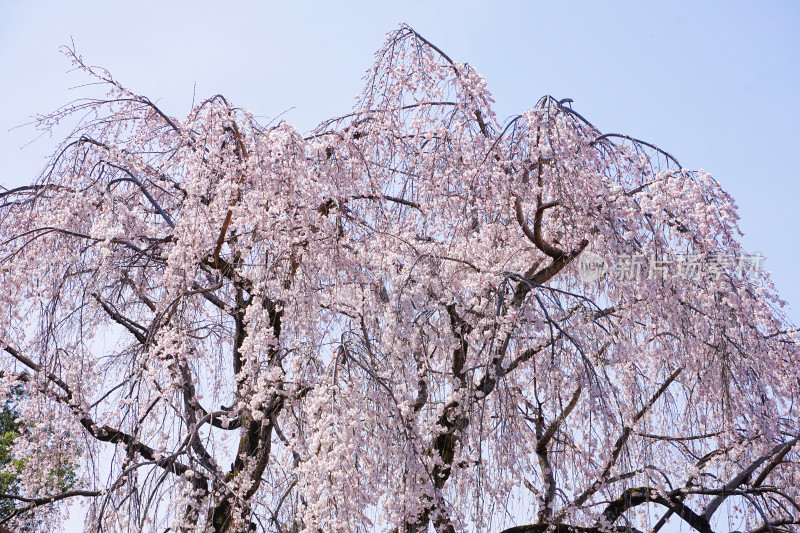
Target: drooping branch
(601, 138)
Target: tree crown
(414, 316)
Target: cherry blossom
(380, 325)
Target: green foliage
(9, 430)
(63, 477)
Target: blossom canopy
(382, 325)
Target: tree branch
(639, 495)
(623, 438)
(743, 475)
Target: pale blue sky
(715, 83)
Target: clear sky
(714, 83)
